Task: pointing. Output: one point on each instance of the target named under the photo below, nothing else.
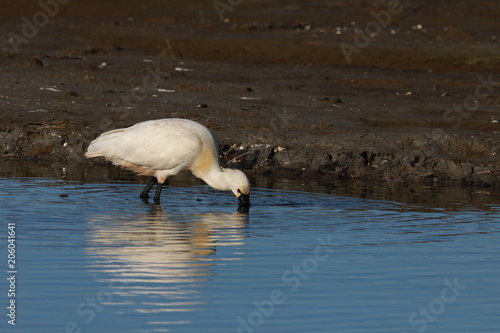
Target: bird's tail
(103, 144)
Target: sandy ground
(395, 92)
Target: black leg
(145, 191)
(158, 193)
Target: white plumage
(164, 147)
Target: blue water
(95, 258)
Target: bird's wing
(150, 146)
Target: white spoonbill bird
(164, 147)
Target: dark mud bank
(417, 102)
(436, 158)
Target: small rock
(36, 62)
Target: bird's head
(241, 188)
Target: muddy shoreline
(419, 102)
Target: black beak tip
(244, 203)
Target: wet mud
(396, 92)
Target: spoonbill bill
(164, 147)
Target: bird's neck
(216, 178)
(207, 168)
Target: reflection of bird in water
(161, 256)
(162, 148)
